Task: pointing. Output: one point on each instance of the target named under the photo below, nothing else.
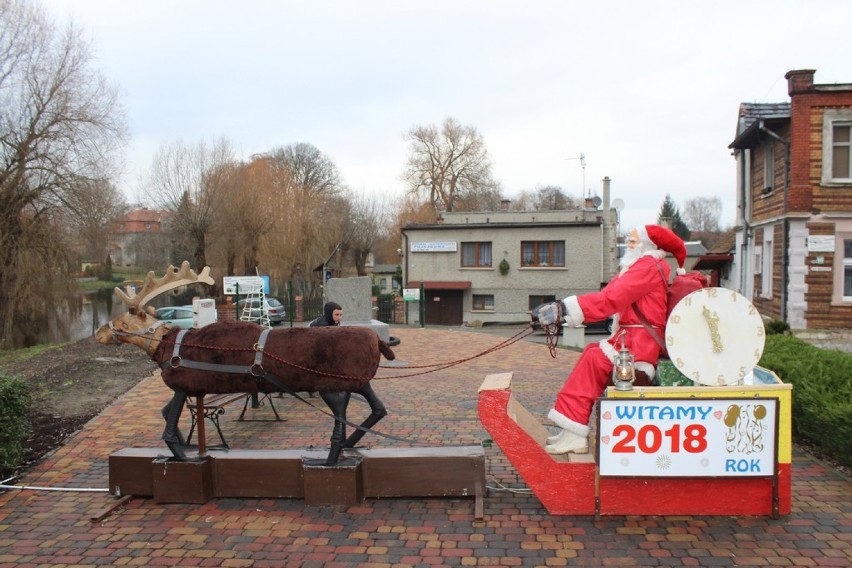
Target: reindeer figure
(230, 357)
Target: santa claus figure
(643, 281)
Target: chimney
(504, 204)
(606, 181)
(799, 81)
(588, 203)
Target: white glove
(552, 313)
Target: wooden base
(361, 474)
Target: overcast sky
(647, 91)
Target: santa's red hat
(664, 239)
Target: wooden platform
(361, 474)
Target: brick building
(141, 239)
(793, 254)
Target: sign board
(439, 246)
(724, 437)
(411, 294)
(821, 243)
(247, 284)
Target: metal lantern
(624, 370)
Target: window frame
(536, 255)
(769, 167)
(477, 253)
(846, 267)
(766, 269)
(833, 118)
(484, 307)
(545, 299)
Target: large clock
(715, 336)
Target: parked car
(604, 326)
(274, 309)
(180, 316)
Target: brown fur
(350, 354)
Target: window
(840, 151)
(539, 300)
(476, 255)
(758, 260)
(542, 253)
(383, 284)
(837, 146)
(766, 282)
(483, 302)
(769, 167)
(847, 270)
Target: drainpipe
(785, 277)
(745, 176)
(405, 270)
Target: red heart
(607, 415)
(605, 440)
(717, 415)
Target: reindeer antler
(155, 286)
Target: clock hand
(712, 319)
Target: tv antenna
(582, 158)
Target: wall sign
(821, 243)
(438, 246)
(410, 294)
(247, 284)
(724, 437)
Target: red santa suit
(645, 282)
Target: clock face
(715, 336)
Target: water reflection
(93, 310)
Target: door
(444, 307)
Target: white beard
(631, 256)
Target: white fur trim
(574, 316)
(681, 271)
(567, 424)
(642, 232)
(611, 354)
(656, 253)
(608, 350)
(646, 368)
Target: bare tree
(60, 122)
(451, 166)
(311, 171)
(92, 207)
(702, 214)
(192, 181)
(307, 210)
(364, 227)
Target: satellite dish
(618, 204)
(596, 201)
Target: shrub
(821, 379)
(14, 426)
(775, 327)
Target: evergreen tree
(670, 214)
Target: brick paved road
(54, 528)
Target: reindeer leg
(378, 412)
(172, 435)
(165, 412)
(337, 401)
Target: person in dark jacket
(332, 313)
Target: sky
(646, 92)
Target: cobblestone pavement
(55, 527)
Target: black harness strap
(256, 370)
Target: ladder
(254, 307)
